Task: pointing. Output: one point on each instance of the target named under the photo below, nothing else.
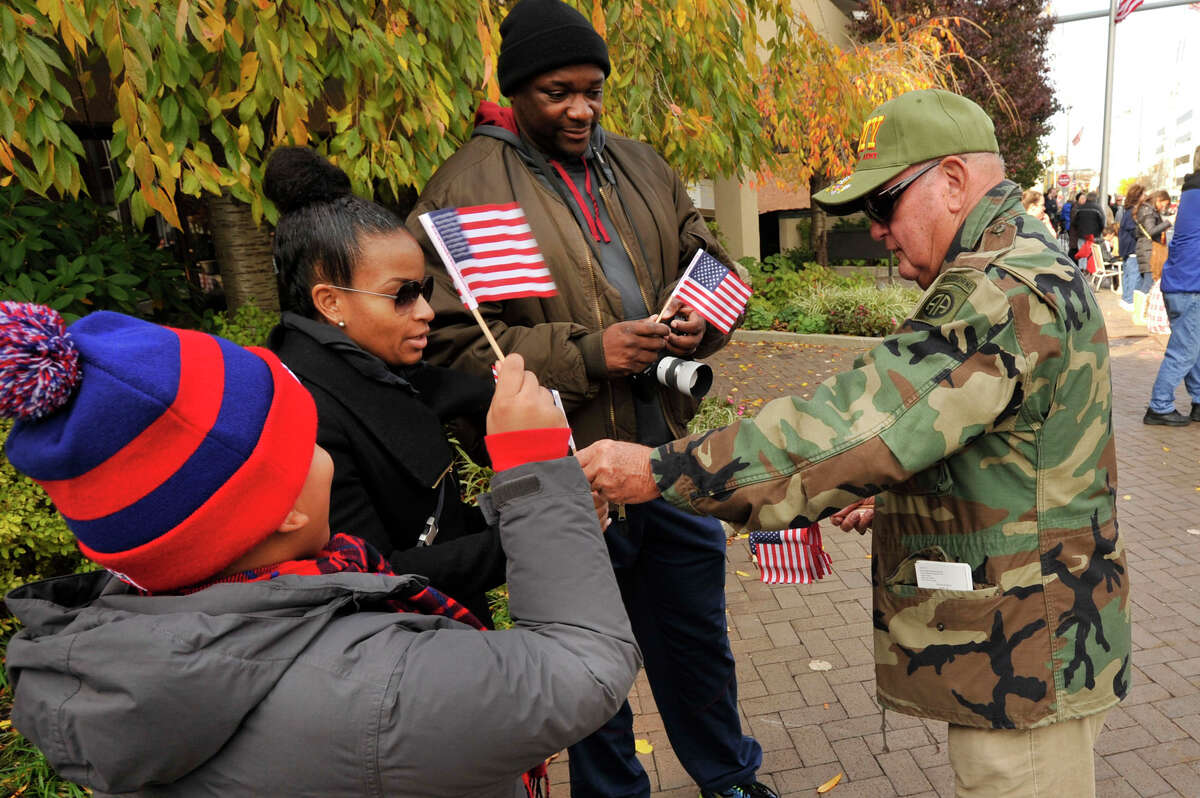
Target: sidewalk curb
(820, 339)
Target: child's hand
(520, 402)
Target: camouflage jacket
(984, 428)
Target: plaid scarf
(348, 554)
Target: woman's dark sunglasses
(405, 296)
(880, 205)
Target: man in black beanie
(617, 230)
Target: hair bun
(39, 364)
(297, 176)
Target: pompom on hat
(170, 453)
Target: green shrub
(246, 326)
(800, 256)
(75, 257)
(34, 540)
(816, 299)
(711, 414)
(864, 309)
(798, 317)
(760, 314)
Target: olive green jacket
(984, 428)
(560, 336)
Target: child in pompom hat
(232, 646)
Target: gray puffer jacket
(306, 686)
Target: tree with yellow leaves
(198, 92)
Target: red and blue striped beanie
(170, 453)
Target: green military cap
(914, 127)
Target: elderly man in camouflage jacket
(983, 429)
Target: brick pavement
(813, 724)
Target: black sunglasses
(405, 296)
(880, 205)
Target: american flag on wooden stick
(714, 291)
(1126, 7)
(489, 252)
(790, 556)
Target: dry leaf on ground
(829, 785)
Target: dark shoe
(753, 789)
(1172, 419)
(1195, 415)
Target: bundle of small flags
(790, 556)
(490, 252)
(713, 291)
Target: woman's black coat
(384, 430)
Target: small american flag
(790, 556)
(489, 252)
(1126, 7)
(713, 291)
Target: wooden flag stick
(487, 333)
(682, 277)
(658, 315)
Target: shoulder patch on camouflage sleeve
(945, 299)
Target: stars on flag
(790, 556)
(490, 252)
(713, 291)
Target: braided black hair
(320, 224)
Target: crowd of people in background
(1122, 230)
(1159, 270)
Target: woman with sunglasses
(356, 295)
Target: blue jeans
(1129, 279)
(670, 566)
(1182, 358)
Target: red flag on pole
(1078, 136)
(1126, 7)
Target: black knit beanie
(540, 35)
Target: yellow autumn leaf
(642, 746)
(181, 20)
(829, 785)
(249, 71)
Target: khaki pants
(1054, 760)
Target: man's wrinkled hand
(857, 516)
(520, 402)
(687, 328)
(619, 472)
(630, 346)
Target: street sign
(1064, 180)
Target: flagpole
(1108, 87)
(487, 333)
